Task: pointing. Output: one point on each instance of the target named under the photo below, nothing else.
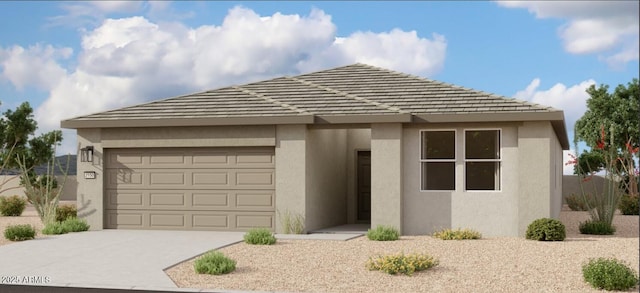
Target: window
(438, 160)
(482, 159)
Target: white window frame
(464, 158)
(421, 160)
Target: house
(354, 144)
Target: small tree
(617, 165)
(18, 140)
(616, 117)
(43, 191)
(618, 113)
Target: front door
(364, 186)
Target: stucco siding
(326, 178)
(556, 177)
(210, 136)
(290, 175)
(424, 212)
(535, 172)
(357, 140)
(494, 213)
(386, 175)
(90, 201)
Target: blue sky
(74, 58)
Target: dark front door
(364, 186)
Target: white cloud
(131, 60)
(117, 6)
(90, 13)
(594, 27)
(36, 65)
(572, 100)
(397, 50)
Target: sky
(69, 59)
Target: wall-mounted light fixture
(86, 154)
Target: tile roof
(356, 93)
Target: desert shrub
(546, 229)
(609, 274)
(629, 204)
(577, 202)
(19, 232)
(596, 228)
(12, 206)
(458, 234)
(54, 228)
(259, 236)
(66, 226)
(292, 223)
(214, 263)
(401, 263)
(64, 212)
(383, 233)
(75, 225)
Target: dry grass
(506, 264)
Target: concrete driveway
(109, 258)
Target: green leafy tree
(17, 138)
(617, 112)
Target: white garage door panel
(190, 188)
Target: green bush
(75, 225)
(383, 233)
(66, 226)
(609, 274)
(214, 263)
(19, 232)
(401, 263)
(54, 228)
(546, 229)
(629, 205)
(458, 234)
(64, 212)
(12, 206)
(577, 202)
(596, 228)
(259, 236)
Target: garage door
(190, 188)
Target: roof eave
(489, 117)
(555, 117)
(165, 122)
(369, 118)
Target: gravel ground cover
(29, 216)
(504, 264)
